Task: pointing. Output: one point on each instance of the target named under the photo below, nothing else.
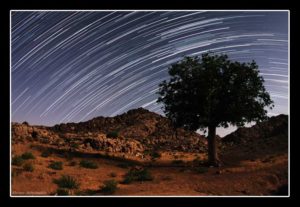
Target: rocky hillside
(139, 131)
(275, 126)
(268, 138)
(133, 132)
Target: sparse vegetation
(86, 192)
(28, 167)
(154, 154)
(112, 134)
(109, 187)
(66, 181)
(88, 164)
(56, 165)
(17, 160)
(62, 191)
(46, 153)
(15, 173)
(135, 174)
(27, 156)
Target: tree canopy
(213, 91)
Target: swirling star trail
(71, 66)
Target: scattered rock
(138, 130)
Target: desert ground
(252, 167)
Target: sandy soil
(241, 174)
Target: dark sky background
(73, 66)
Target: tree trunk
(213, 159)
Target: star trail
(71, 66)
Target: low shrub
(155, 154)
(62, 191)
(66, 181)
(88, 164)
(46, 153)
(112, 134)
(86, 192)
(17, 160)
(135, 174)
(27, 156)
(109, 187)
(56, 165)
(28, 167)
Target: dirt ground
(240, 174)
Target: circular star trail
(71, 66)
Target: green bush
(28, 167)
(137, 175)
(109, 187)
(66, 181)
(27, 156)
(62, 191)
(17, 160)
(88, 164)
(112, 134)
(46, 153)
(56, 165)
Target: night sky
(73, 66)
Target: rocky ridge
(138, 130)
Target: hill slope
(266, 138)
(137, 131)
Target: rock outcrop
(136, 131)
(268, 138)
(275, 126)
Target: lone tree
(213, 92)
